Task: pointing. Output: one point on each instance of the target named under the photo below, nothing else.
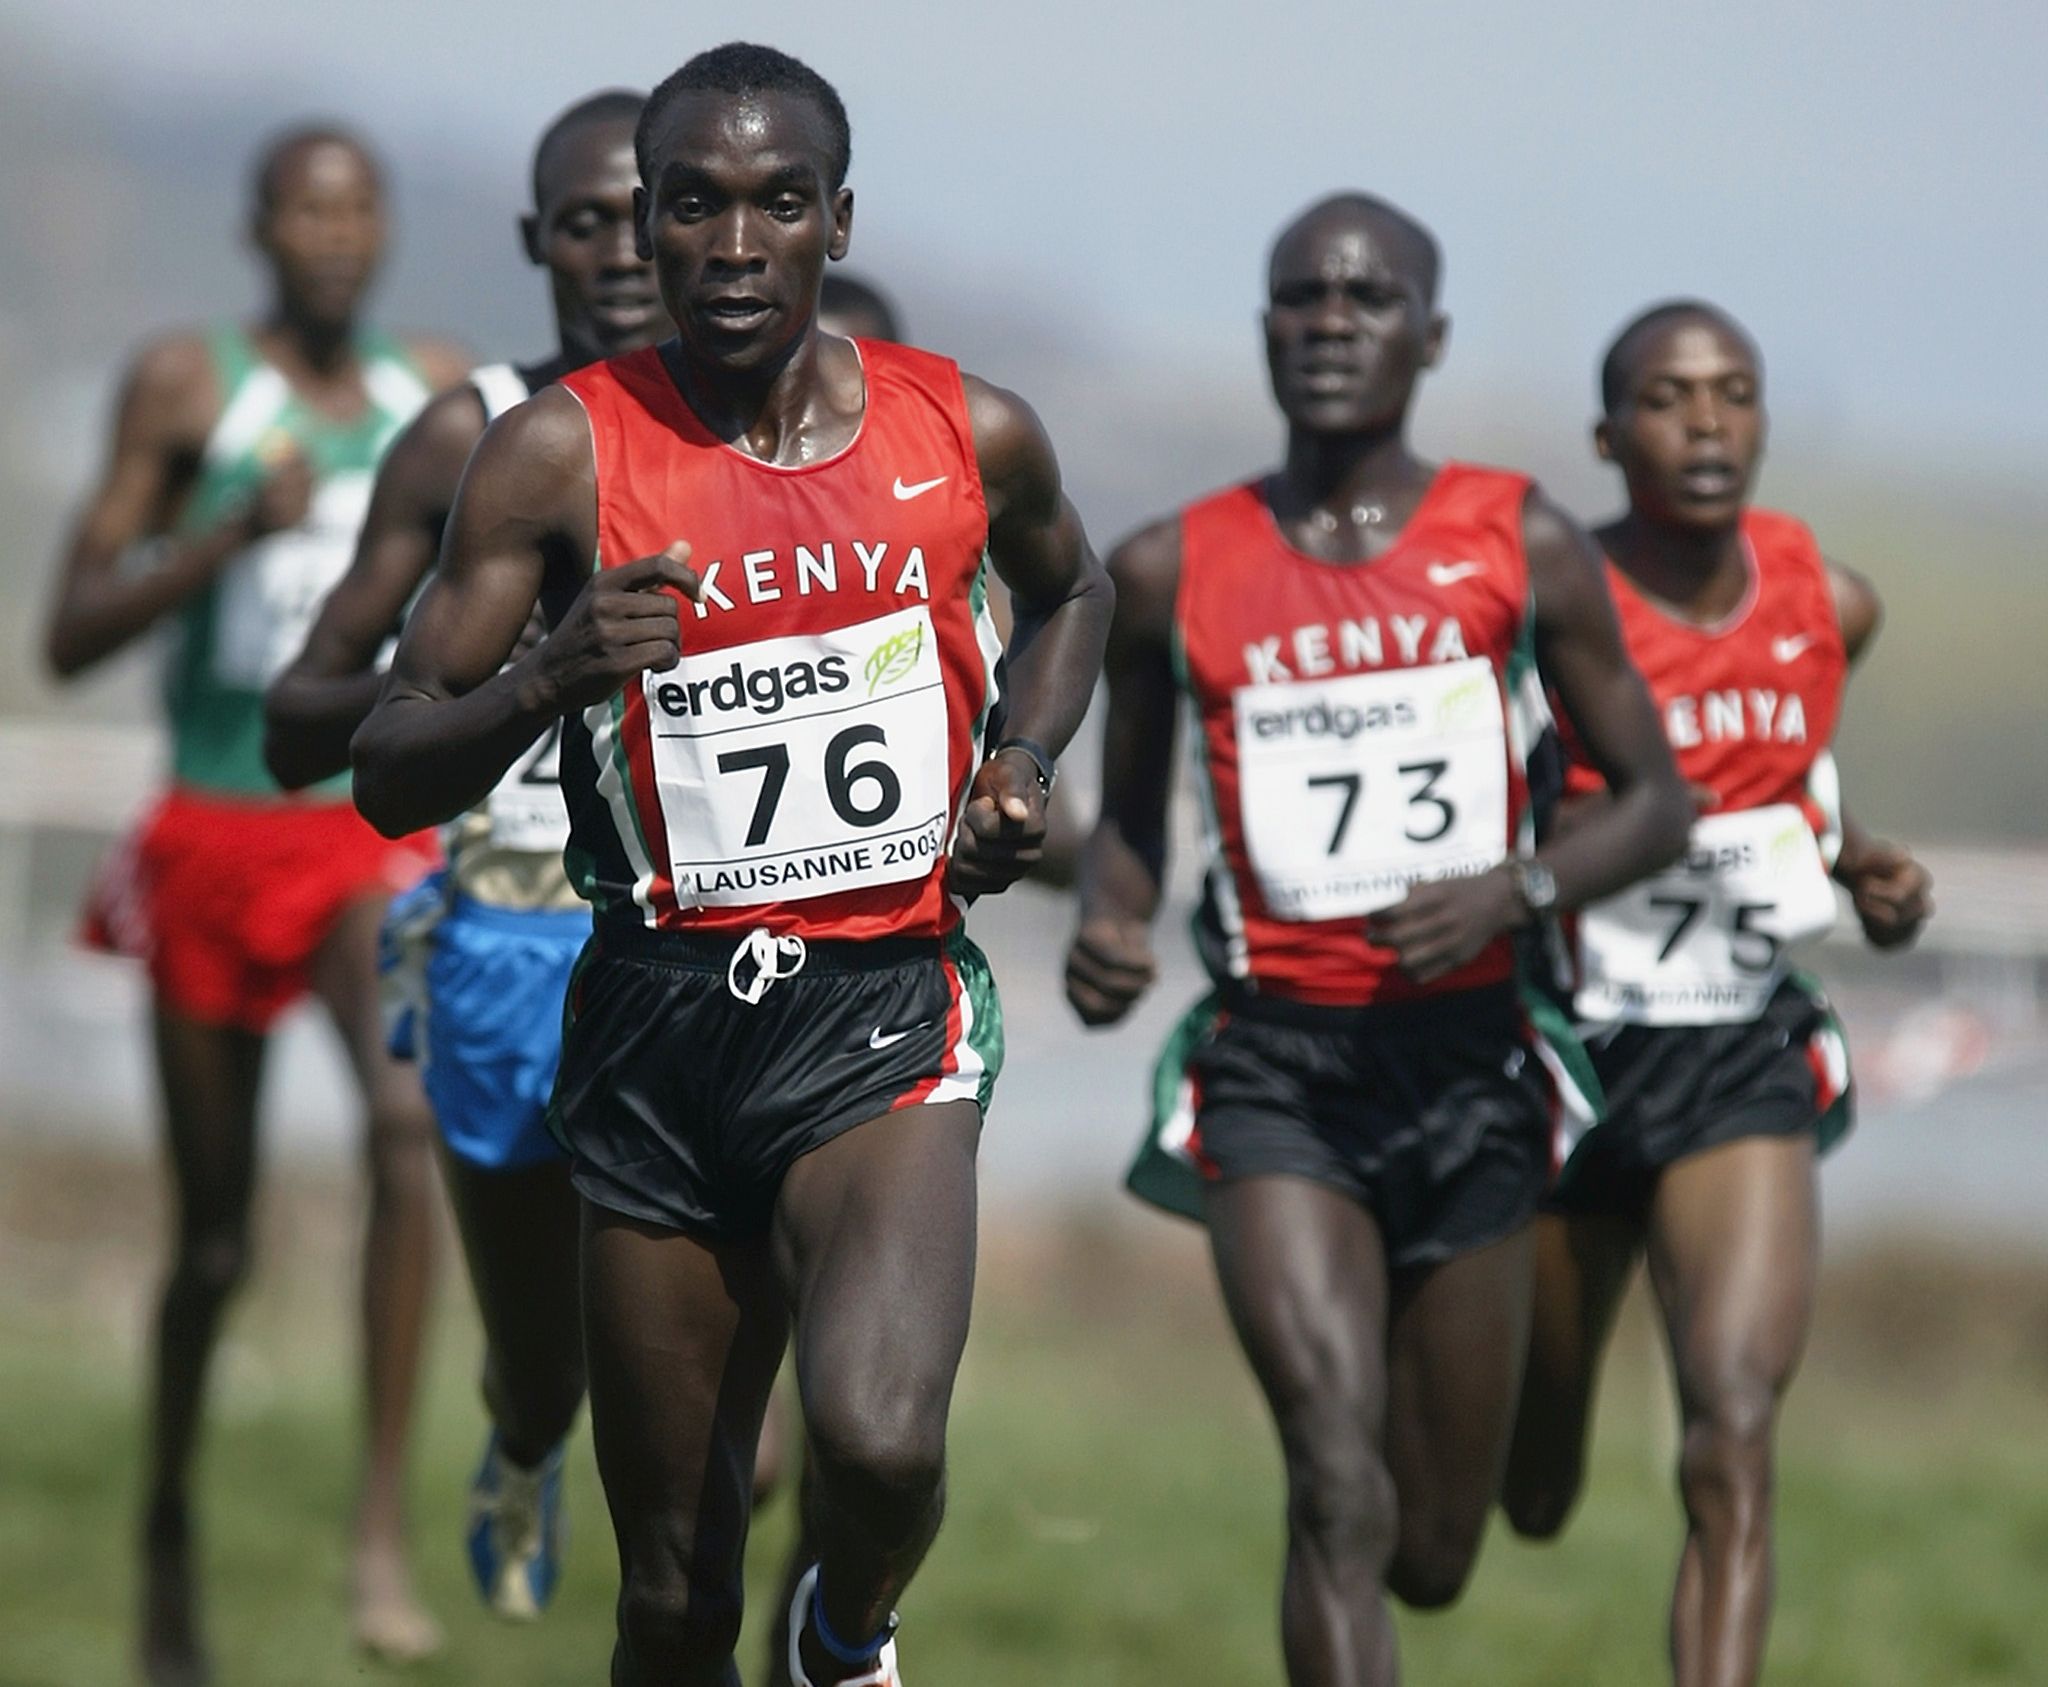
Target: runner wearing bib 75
(1724, 1071)
(762, 551)
(1362, 1110)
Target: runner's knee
(399, 1150)
(1725, 1464)
(1539, 1502)
(1341, 1501)
(678, 1628)
(1434, 1558)
(881, 1447)
(213, 1262)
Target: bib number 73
(1352, 789)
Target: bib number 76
(862, 793)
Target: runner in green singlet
(239, 467)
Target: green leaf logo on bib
(894, 658)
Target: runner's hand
(284, 499)
(624, 622)
(1109, 966)
(1893, 893)
(1437, 927)
(1002, 831)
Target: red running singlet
(805, 764)
(1362, 726)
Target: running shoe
(882, 1673)
(517, 1530)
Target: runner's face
(606, 301)
(1689, 431)
(323, 230)
(740, 218)
(1349, 328)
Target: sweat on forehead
(1403, 241)
(1626, 350)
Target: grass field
(1115, 1514)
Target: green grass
(1115, 1502)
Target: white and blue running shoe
(517, 1530)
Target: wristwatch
(1536, 885)
(1041, 759)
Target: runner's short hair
(740, 68)
(1617, 366)
(613, 105)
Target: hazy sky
(1865, 184)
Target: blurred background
(1075, 199)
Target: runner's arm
(451, 716)
(1893, 894)
(315, 705)
(1438, 927)
(1123, 864)
(1063, 600)
(104, 601)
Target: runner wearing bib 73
(1361, 1111)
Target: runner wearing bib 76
(1361, 1112)
(1724, 1071)
(763, 554)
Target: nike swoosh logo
(905, 493)
(1791, 649)
(1450, 573)
(880, 1039)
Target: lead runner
(761, 553)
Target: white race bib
(803, 766)
(526, 809)
(1353, 789)
(270, 594)
(1702, 943)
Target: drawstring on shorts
(769, 954)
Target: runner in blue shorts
(477, 959)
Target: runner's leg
(1459, 1333)
(1734, 1247)
(397, 1274)
(875, 1236)
(519, 1232)
(684, 1339)
(1583, 1264)
(1303, 1272)
(210, 1075)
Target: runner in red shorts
(239, 472)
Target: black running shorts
(684, 1105)
(1674, 1090)
(1436, 1115)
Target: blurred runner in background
(478, 956)
(1724, 1069)
(239, 474)
(1362, 1110)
